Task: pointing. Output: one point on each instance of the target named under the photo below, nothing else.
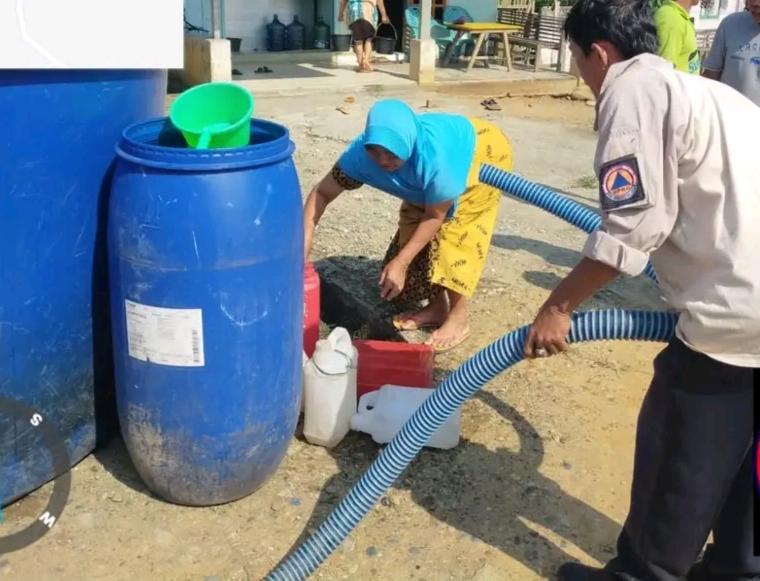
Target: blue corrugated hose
(447, 397)
(546, 199)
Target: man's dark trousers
(693, 472)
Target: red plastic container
(311, 312)
(389, 362)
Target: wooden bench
(479, 32)
(538, 31)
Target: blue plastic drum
(206, 264)
(59, 129)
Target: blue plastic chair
(452, 14)
(439, 33)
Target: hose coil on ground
(447, 397)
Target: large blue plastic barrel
(206, 264)
(58, 129)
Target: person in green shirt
(676, 35)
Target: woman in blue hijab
(430, 161)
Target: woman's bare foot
(433, 315)
(368, 67)
(451, 334)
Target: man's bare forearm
(586, 278)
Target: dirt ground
(543, 470)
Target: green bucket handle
(205, 139)
(199, 114)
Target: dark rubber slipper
(491, 105)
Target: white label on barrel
(165, 336)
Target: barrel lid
(157, 143)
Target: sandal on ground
(408, 324)
(449, 347)
(491, 105)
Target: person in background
(678, 186)
(431, 161)
(362, 22)
(676, 35)
(734, 58)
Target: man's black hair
(628, 25)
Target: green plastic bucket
(214, 115)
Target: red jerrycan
(390, 362)
(311, 312)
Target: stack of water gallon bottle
(363, 385)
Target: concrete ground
(542, 473)
(330, 71)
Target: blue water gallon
(276, 35)
(59, 129)
(207, 278)
(295, 35)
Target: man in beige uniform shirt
(678, 185)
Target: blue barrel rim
(137, 145)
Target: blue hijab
(437, 150)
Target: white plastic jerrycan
(329, 399)
(384, 412)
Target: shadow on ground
(486, 495)
(552, 254)
(624, 292)
(115, 460)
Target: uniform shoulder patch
(620, 183)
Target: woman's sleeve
(345, 182)
(346, 170)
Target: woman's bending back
(431, 162)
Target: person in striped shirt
(361, 16)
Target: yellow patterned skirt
(455, 258)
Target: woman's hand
(385, 19)
(548, 333)
(340, 17)
(392, 279)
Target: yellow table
(480, 31)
